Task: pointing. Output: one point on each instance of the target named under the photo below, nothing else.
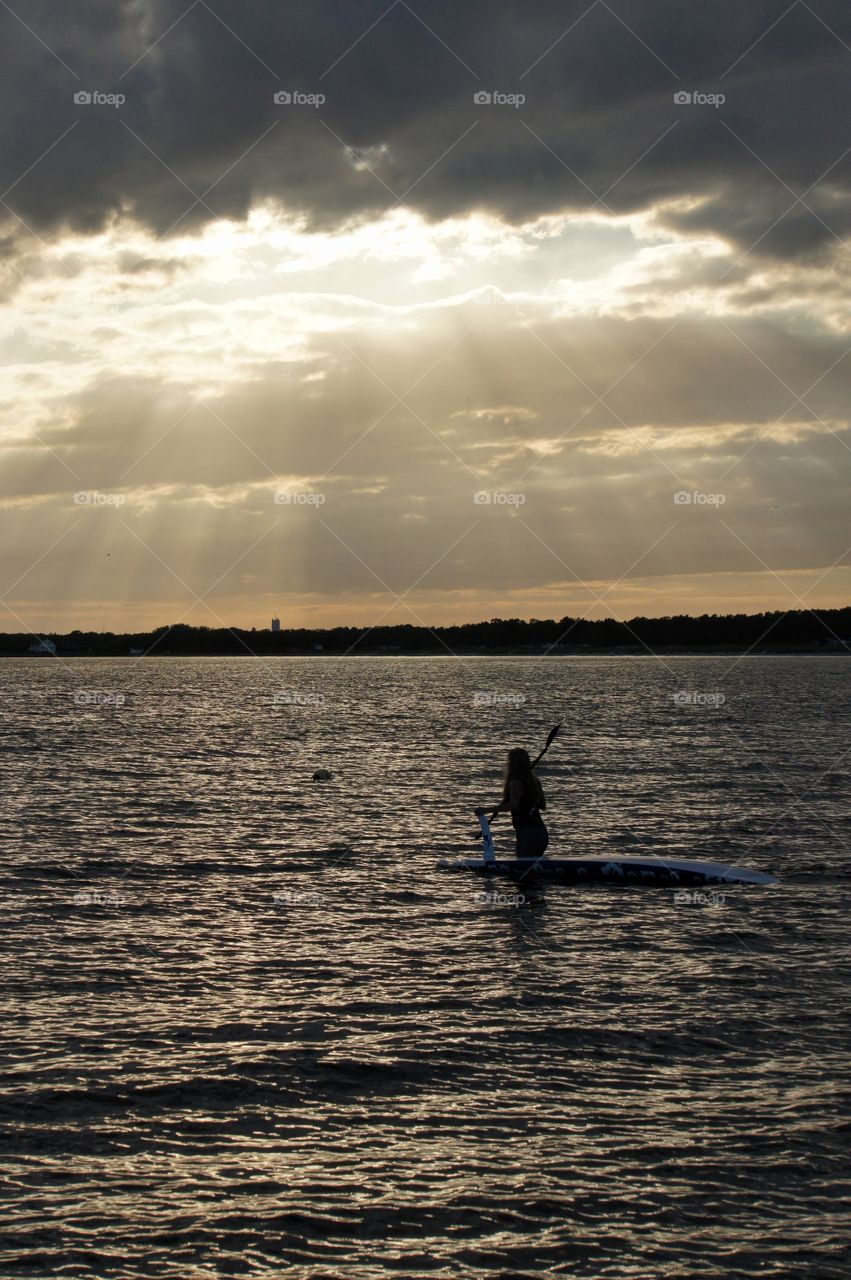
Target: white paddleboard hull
(660, 872)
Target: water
(250, 1030)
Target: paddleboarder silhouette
(523, 796)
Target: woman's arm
(503, 804)
(515, 799)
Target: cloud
(577, 305)
(200, 136)
(576, 490)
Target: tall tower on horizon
(276, 624)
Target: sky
(357, 312)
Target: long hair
(519, 766)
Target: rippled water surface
(251, 1030)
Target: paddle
(551, 737)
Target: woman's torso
(525, 804)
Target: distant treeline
(800, 629)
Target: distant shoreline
(804, 631)
(544, 651)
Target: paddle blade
(551, 736)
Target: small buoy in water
(322, 775)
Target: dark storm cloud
(200, 136)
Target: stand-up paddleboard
(658, 872)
